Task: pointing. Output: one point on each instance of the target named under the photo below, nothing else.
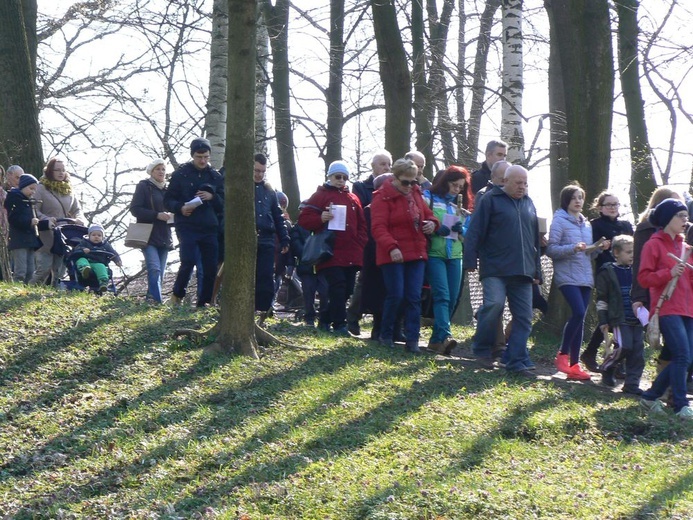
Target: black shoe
(633, 390)
(620, 372)
(414, 349)
(341, 331)
(399, 336)
(608, 379)
(386, 343)
(354, 328)
(522, 374)
(590, 362)
(375, 334)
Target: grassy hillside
(104, 415)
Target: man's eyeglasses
(340, 177)
(406, 183)
(611, 205)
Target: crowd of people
(394, 234)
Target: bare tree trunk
(513, 85)
(468, 153)
(642, 173)
(261, 83)
(277, 19)
(395, 77)
(20, 134)
(335, 115)
(236, 324)
(30, 12)
(438, 30)
(583, 34)
(215, 118)
(423, 106)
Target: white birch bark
(261, 83)
(215, 119)
(511, 103)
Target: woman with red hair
(451, 200)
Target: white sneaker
(655, 407)
(685, 413)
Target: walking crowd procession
(396, 246)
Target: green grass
(104, 415)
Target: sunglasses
(340, 177)
(405, 182)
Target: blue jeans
(678, 335)
(403, 282)
(193, 245)
(518, 291)
(444, 277)
(155, 261)
(578, 297)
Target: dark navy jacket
(185, 182)
(269, 220)
(19, 214)
(146, 204)
(364, 191)
(503, 235)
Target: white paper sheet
(197, 201)
(643, 316)
(338, 222)
(449, 221)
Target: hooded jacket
(655, 274)
(348, 244)
(393, 226)
(608, 228)
(503, 236)
(570, 267)
(269, 219)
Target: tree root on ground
(263, 337)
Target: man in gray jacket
(503, 236)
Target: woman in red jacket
(399, 220)
(657, 269)
(340, 270)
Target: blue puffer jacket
(569, 267)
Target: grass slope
(104, 415)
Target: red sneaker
(562, 362)
(576, 373)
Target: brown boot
(448, 345)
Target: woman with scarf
(55, 200)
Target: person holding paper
(450, 192)
(330, 200)
(196, 196)
(568, 247)
(400, 219)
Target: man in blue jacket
(503, 236)
(271, 227)
(196, 196)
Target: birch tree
(215, 116)
(513, 85)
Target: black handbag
(319, 248)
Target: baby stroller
(71, 235)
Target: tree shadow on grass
(102, 364)
(79, 442)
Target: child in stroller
(91, 257)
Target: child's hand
(580, 246)
(86, 250)
(677, 270)
(34, 222)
